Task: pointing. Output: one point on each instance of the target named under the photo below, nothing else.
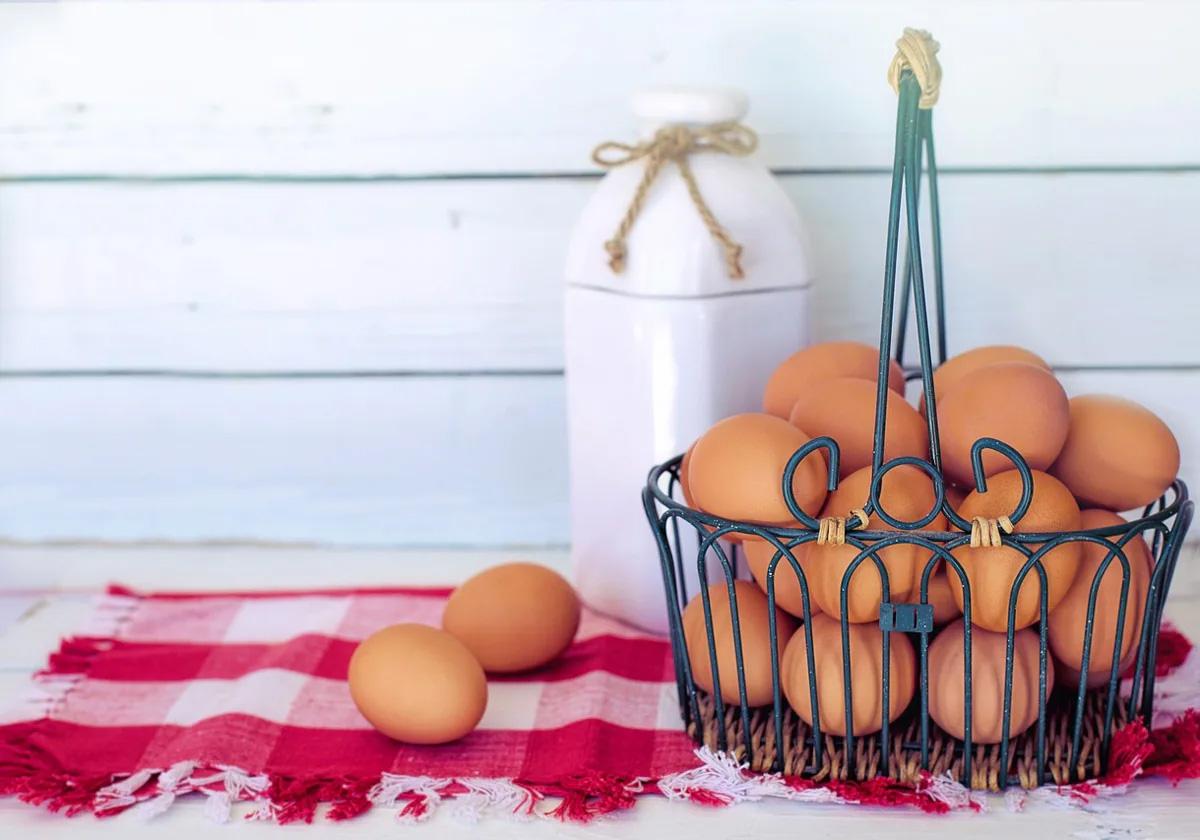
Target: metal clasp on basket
(906, 618)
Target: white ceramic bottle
(659, 352)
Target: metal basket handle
(916, 76)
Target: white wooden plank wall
(524, 86)
(292, 270)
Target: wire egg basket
(1072, 736)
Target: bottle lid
(677, 104)
(655, 240)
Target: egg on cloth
(844, 409)
(755, 634)
(866, 675)
(1118, 454)
(906, 493)
(992, 570)
(417, 684)
(1067, 623)
(736, 470)
(1017, 403)
(800, 372)
(947, 673)
(513, 617)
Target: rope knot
(917, 51)
(675, 143)
(985, 533)
(832, 530)
(672, 141)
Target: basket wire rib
(1081, 726)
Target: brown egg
(844, 409)
(992, 572)
(736, 470)
(1118, 454)
(946, 683)
(1019, 404)
(684, 469)
(689, 500)
(417, 684)
(513, 617)
(829, 360)
(759, 554)
(1068, 621)
(907, 494)
(945, 608)
(866, 677)
(958, 368)
(955, 496)
(754, 623)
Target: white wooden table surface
(46, 593)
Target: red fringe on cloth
(1173, 650)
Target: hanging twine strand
(675, 143)
(832, 530)
(985, 533)
(917, 51)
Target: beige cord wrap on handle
(917, 51)
(675, 143)
(832, 530)
(985, 533)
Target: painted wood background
(292, 270)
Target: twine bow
(917, 51)
(675, 143)
(985, 533)
(832, 530)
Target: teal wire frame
(1163, 524)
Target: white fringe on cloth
(43, 698)
(390, 788)
(236, 785)
(149, 793)
(721, 777)
(47, 693)
(110, 614)
(493, 796)
(483, 797)
(1175, 693)
(954, 794)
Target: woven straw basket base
(904, 763)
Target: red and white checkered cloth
(242, 697)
